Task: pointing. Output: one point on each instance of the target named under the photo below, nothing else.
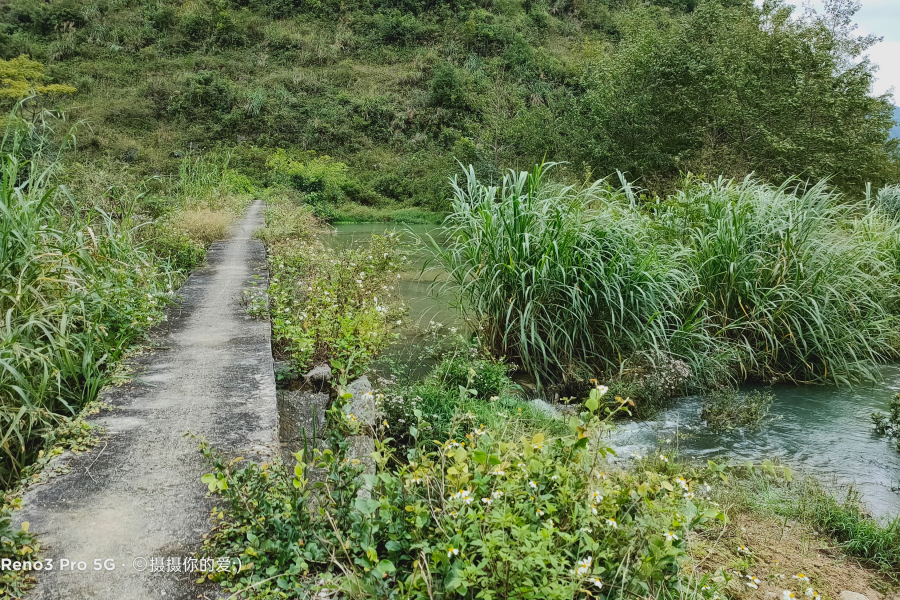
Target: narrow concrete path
(138, 494)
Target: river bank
(434, 384)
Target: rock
(131, 155)
(301, 419)
(319, 374)
(362, 406)
(176, 154)
(846, 595)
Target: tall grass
(75, 290)
(564, 280)
(740, 280)
(795, 278)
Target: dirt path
(138, 493)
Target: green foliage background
(399, 91)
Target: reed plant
(75, 290)
(795, 278)
(732, 280)
(561, 279)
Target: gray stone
(301, 419)
(131, 155)
(138, 492)
(362, 406)
(319, 374)
(847, 595)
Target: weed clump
(729, 408)
(889, 424)
(547, 514)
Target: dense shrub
(211, 23)
(532, 517)
(203, 93)
(448, 89)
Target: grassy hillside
(399, 91)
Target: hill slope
(399, 92)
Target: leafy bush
(211, 23)
(203, 92)
(15, 545)
(323, 180)
(448, 89)
(20, 77)
(399, 28)
(176, 248)
(535, 517)
(650, 111)
(729, 408)
(326, 305)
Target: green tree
(738, 90)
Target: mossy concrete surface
(137, 498)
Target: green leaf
(788, 475)
(366, 507)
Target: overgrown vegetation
(389, 96)
(728, 408)
(82, 279)
(327, 306)
(841, 517)
(533, 517)
(719, 282)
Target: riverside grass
(75, 291)
(84, 275)
(738, 280)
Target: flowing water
(821, 430)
